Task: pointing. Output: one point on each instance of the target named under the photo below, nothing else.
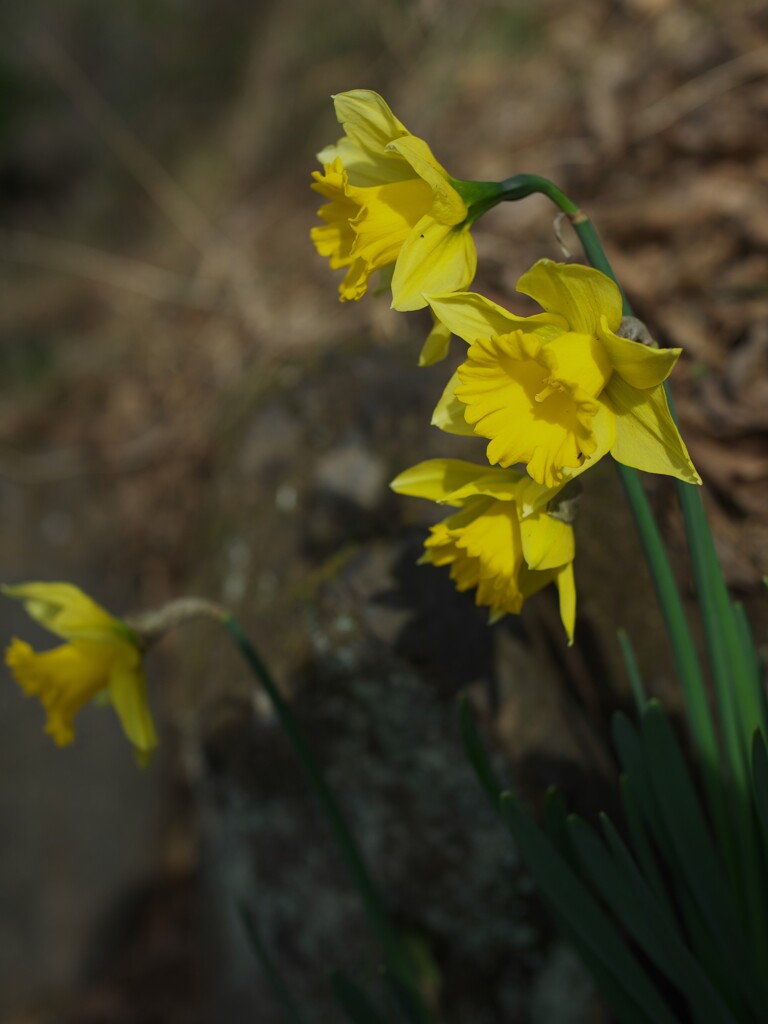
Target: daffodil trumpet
(559, 390)
(391, 204)
(502, 542)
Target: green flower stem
(740, 700)
(394, 951)
(633, 670)
(678, 629)
(521, 185)
(683, 647)
(282, 992)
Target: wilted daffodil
(391, 202)
(101, 658)
(559, 390)
(502, 541)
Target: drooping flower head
(559, 390)
(502, 542)
(392, 203)
(101, 656)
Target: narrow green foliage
(616, 877)
(556, 823)
(355, 1004)
(699, 866)
(747, 641)
(283, 995)
(692, 891)
(397, 957)
(760, 781)
(410, 1004)
(717, 626)
(477, 753)
(641, 843)
(576, 905)
(633, 670)
(684, 650)
(611, 985)
(633, 760)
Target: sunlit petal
(641, 366)
(367, 119)
(566, 587)
(437, 479)
(128, 690)
(486, 545)
(447, 205)
(64, 610)
(547, 542)
(470, 316)
(449, 411)
(647, 437)
(436, 345)
(580, 294)
(434, 258)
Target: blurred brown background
(186, 408)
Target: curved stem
(679, 632)
(521, 185)
(678, 629)
(394, 951)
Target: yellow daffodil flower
(100, 658)
(559, 390)
(502, 541)
(391, 202)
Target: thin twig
(110, 269)
(699, 91)
(159, 185)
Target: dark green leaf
(615, 875)
(760, 782)
(353, 1001)
(477, 753)
(279, 987)
(699, 865)
(576, 906)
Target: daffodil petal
(566, 589)
(470, 316)
(647, 437)
(547, 543)
(604, 438)
(367, 119)
(434, 258)
(641, 366)
(436, 479)
(387, 214)
(449, 411)
(64, 610)
(127, 688)
(483, 543)
(532, 496)
(502, 382)
(364, 168)
(580, 294)
(64, 679)
(447, 205)
(436, 346)
(502, 484)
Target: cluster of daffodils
(551, 393)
